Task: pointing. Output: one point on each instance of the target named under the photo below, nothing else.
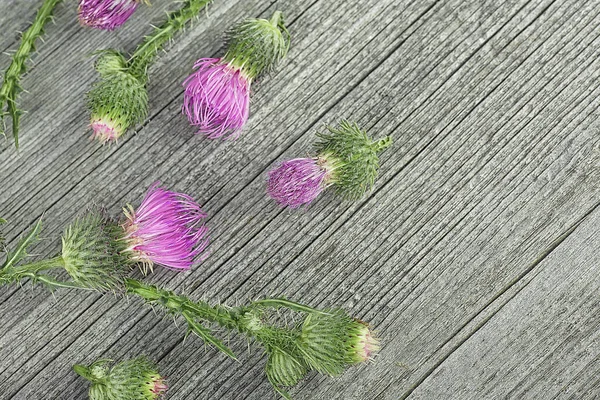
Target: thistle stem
(37, 266)
(10, 87)
(277, 18)
(382, 144)
(147, 50)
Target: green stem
(277, 18)
(10, 87)
(382, 144)
(149, 47)
(53, 283)
(37, 266)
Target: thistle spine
(10, 88)
(148, 49)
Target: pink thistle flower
(158, 386)
(165, 229)
(217, 98)
(105, 130)
(364, 344)
(106, 14)
(299, 181)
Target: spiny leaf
(282, 302)
(206, 335)
(20, 251)
(10, 84)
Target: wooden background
(475, 257)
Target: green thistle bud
(136, 379)
(257, 45)
(332, 342)
(118, 101)
(91, 252)
(350, 156)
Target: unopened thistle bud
(331, 343)
(346, 159)
(106, 14)
(92, 252)
(118, 101)
(166, 229)
(136, 379)
(217, 94)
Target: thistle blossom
(106, 14)
(217, 94)
(298, 181)
(136, 379)
(165, 229)
(346, 159)
(217, 98)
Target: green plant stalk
(153, 43)
(11, 87)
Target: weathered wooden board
(544, 343)
(493, 108)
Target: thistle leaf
(282, 302)
(10, 88)
(206, 335)
(20, 252)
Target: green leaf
(20, 252)
(281, 302)
(206, 335)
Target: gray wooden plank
(544, 343)
(498, 102)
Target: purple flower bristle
(166, 229)
(217, 98)
(297, 182)
(106, 14)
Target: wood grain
(493, 106)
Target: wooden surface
(475, 257)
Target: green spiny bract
(118, 101)
(11, 87)
(136, 379)
(92, 252)
(353, 156)
(257, 45)
(332, 342)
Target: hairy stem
(147, 50)
(10, 87)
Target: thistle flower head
(257, 45)
(106, 14)
(217, 94)
(118, 101)
(217, 98)
(136, 379)
(356, 158)
(91, 252)
(165, 229)
(332, 342)
(299, 181)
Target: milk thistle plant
(346, 159)
(136, 379)
(97, 254)
(101, 14)
(11, 87)
(119, 99)
(217, 94)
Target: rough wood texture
(470, 256)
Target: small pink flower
(217, 98)
(298, 181)
(366, 345)
(158, 387)
(106, 14)
(166, 229)
(105, 130)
